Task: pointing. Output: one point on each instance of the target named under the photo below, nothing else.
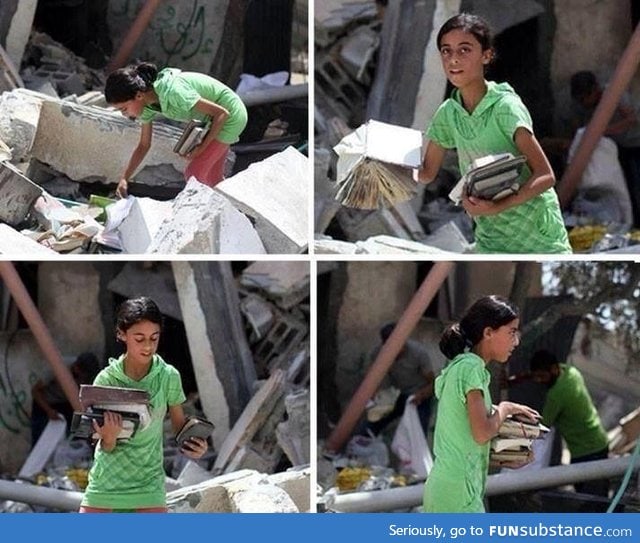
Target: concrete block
(204, 222)
(274, 193)
(263, 499)
(385, 245)
(327, 246)
(13, 242)
(19, 118)
(17, 194)
(297, 483)
(193, 474)
(142, 224)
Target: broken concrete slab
(19, 118)
(384, 245)
(259, 315)
(204, 222)
(13, 242)
(263, 499)
(328, 246)
(294, 433)
(192, 474)
(286, 283)
(9, 77)
(17, 194)
(274, 193)
(297, 483)
(143, 222)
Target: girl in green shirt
(466, 420)
(129, 475)
(483, 118)
(142, 92)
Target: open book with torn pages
(514, 441)
(492, 177)
(375, 165)
(132, 405)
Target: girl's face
(132, 109)
(141, 340)
(463, 59)
(502, 341)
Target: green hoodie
(132, 476)
(456, 482)
(536, 226)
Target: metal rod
(40, 332)
(501, 483)
(137, 28)
(627, 67)
(388, 354)
(40, 495)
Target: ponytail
(123, 84)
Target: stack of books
(491, 177)
(194, 427)
(191, 137)
(514, 441)
(375, 165)
(131, 404)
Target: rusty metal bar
(137, 28)
(40, 331)
(388, 354)
(627, 67)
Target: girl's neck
(135, 371)
(481, 351)
(150, 98)
(472, 94)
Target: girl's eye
(445, 52)
(465, 50)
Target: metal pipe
(274, 95)
(388, 354)
(40, 331)
(40, 495)
(137, 28)
(501, 483)
(625, 70)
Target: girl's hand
(194, 447)
(519, 410)
(109, 430)
(197, 151)
(477, 207)
(122, 190)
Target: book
(82, 424)
(191, 137)
(194, 427)
(492, 177)
(96, 394)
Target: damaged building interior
(238, 334)
(63, 148)
(377, 60)
(583, 312)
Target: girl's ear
(120, 336)
(487, 56)
(487, 333)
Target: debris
(294, 434)
(9, 77)
(14, 243)
(259, 315)
(274, 194)
(203, 221)
(17, 194)
(286, 283)
(45, 447)
(142, 223)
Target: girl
(141, 92)
(481, 118)
(129, 476)
(466, 421)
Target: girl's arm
(542, 178)
(136, 158)
(219, 116)
(108, 432)
(433, 157)
(484, 427)
(195, 447)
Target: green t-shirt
(457, 481)
(535, 226)
(132, 475)
(179, 92)
(569, 408)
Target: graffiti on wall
(179, 30)
(14, 411)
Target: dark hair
(136, 310)
(386, 330)
(582, 84)
(123, 84)
(468, 23)
(86, 367)
(490, 311)
(543, 360)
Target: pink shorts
(208, 167)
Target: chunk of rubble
(17, 194)
(13, 242)
(204, 222)
(19, 118)
(274, 194)
(143, 222)
(287, 283)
